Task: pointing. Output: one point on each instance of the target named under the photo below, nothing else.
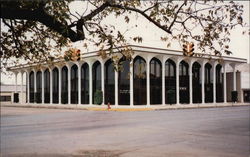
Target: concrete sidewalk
(124, 107)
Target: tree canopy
(31, 30)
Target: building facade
(7, 93)
(153, 77)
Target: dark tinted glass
(85, 84)
(74, 84)
(140, 90)
(155, 81)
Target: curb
(125, 109)
(121, 109)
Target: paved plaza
(210, 132)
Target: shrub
(98, 97)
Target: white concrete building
(7, 93)
(153, 77)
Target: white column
(42, 86)
(202, 83)
(51, 86)
(79, 84)
(225, 83)
(35, 90)
(148, 82)
(90, 85)
(191, 83)
(177, 84)
(163, 82)
(28, 86)
(234, 78)
(21, 95)
(214, 83)
(60, 85)
(116, 88)
(69, 84)
(131, 86)
(102, 75)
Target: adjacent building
(7, 93)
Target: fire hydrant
(109, 106)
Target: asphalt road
(210, 132)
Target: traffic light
(188, 49)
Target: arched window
(64, 92)
(196, 82)
(184, 82)
(170, 82)
(219, 84)
(55, 80)
(46, 86)
(85, 84)
(124, 82)
(155, 81)
(97, 79)
(32, 86)
(208, 83)
(74, 84)
(39, 87)
(109, 82)
(140, 90)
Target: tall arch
(64, 92)
(208, 83)
(46, 86)
(39, 87)
(155, 81)
(184, 82)
(55, 80)
(97, 79)
(74, 84)
(140, 80)
(219, 84)
(32, 87)
(85, 84)
(109, 76)
(170, 81)
(124, 82)
(196, 82)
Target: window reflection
(140, 91)
(74, 84)
(55, 84)
(184, 82)
(219, 84)
(46, 86)
(32, 87)
(170, 82)
(85, 84)
(196, 82)
(96, 78)
(39, 87)
(124, 82)
(155, 81)
(109, 82)
(64, 94)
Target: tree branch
(143, 14)
(175, 17)
(44, 18)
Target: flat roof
(143, 49)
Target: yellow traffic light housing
(188, 49)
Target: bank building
(152, 77)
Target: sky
(239, 44)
